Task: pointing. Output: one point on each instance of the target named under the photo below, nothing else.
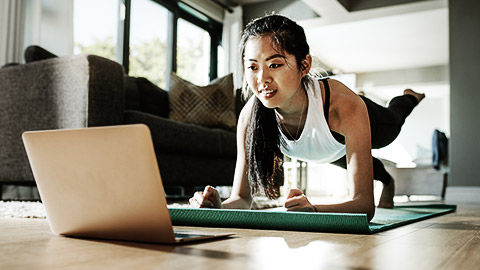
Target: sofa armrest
(106, 92)
(65, 92)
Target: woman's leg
(386, 122)
(380, 174)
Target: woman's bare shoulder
(339, 86)
(246, 112)
(342, 93)
(345, 105)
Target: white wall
(416, 135)
(464, 66)
(49, 24)
(232, 28)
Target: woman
(294, 114)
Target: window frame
(213, 27)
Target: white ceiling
(390, 38)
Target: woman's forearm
(237, 202)
(357, 205)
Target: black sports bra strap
(339, 137)
(327, 98)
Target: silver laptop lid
(100, 182)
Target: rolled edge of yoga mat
(270, 220)
(407, 214)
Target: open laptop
(103, 182)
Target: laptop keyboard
(188, 235)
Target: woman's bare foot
(386, 200)
(418, 96)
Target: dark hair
(263, 139)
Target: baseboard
(10, 192)
(463, 194)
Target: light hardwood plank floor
(450, 241)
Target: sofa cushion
(210, 106)
(36, 53)
(188, 171)
(132, 94)
(144, 96)
(153, 99)
(171, 136)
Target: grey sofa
(86, 90)
(189, 156)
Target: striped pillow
(209, 106)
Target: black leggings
(385, 125)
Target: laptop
(104, 183)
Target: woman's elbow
(370, 211)
(366, 205)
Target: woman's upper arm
(241, 188)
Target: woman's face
(273, 76)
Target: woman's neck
(298, 108)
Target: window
(95, 29)
(150, 38)
(193, 53)
(148, 41)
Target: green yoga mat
(302, 221)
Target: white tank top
(316, 143)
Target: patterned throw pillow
(209, 106)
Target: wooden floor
(450, 241)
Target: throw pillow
(209, 106)
(36, 53)
(10, 65)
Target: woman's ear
(306, 65)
